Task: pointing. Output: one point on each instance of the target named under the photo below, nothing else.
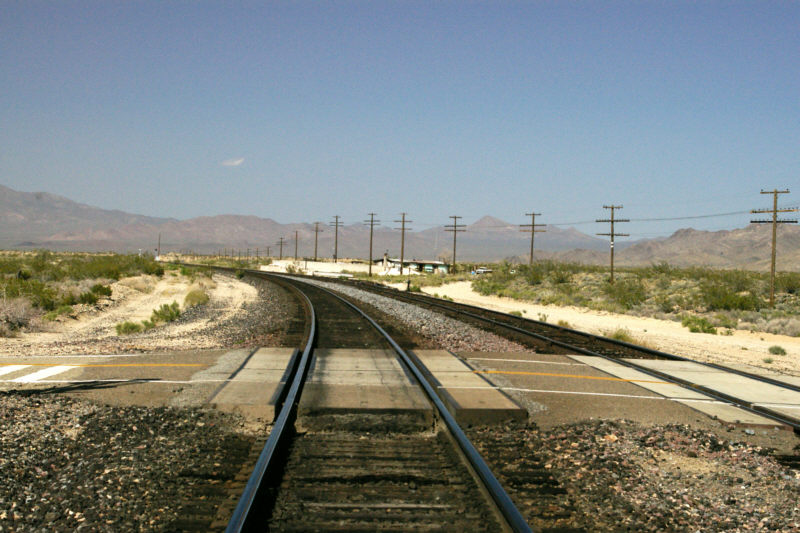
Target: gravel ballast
(69, 465)
(602, 475)
(449, 334)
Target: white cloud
(233, 162)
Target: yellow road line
(568, 376)
(110, 365)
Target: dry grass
(15, 314)
(144, 284)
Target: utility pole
(455, 227)
(159, 244)
(295, 244)
(775, 221)
(336, 224)
(280, 243)
(371, 223)
(316, 236)
(402, 229)
(256, 255)
(611, 235)
(533, 231)
(268, 247)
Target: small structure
(413, 266)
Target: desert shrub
(15, 313)
(777, 350)
(661, 269)
(126, 328)
(697, 324)
(564, 324)
(783, 326)
(767, 360)
(240, 273)
(620, 334)
(718, 297)
(515, 313)
(166, 313)
(62, 310)
(101, 290)
(627, 292)
(88, 298)
(195, 297)
(788, 282)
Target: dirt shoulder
(92, 329)
(742, 347)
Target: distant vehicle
(483, 270)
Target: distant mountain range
(43, 220)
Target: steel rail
(752, 407)
(452, 306)
(505, 505)
(246, 515)
(589, 336)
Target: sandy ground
(133, 299)
(742, 347)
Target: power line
(775, 221)
(455, 227)
(612, 234)
(316, 236)
(402, 229)
(533, 231)
(372, 223)
(336, 224)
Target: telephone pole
(268, 247)
(295, 244)
(611, 235)
(371, 223)
(775, 221)
(316, 238)
(159, 244)
(455, 227)
(533, 231)
(280, 243)
(336, 224)
(402, 229)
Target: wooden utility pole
(371, 223)
(280, 243)
(533, 231)
(336, 224)
(611, 235)
(402, 229)
(158, 250)
(295, 244)
(316, 238)
(268, 247)
(455, 227)
(775, 221)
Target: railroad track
(366, 479)
(543, 336)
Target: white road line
(11, 368)
(41, 374)
(132, 380)
(592, 394)
(523, 361)
(778, 405)
(75, 355)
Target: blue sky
(299, 111)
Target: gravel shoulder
(742, 347)
(238, 313)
